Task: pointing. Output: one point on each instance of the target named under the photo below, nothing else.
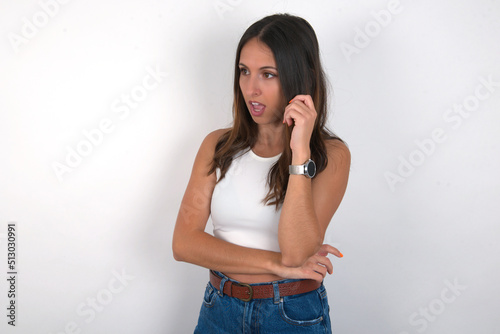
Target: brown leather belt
(247, 292)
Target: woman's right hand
(316, 267)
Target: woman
(271, 183)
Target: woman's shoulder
(216, 134)
(205, 156)
(211, 140)
(338, 153)
(213, 137)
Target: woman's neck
(269, 140)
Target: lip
(259, 110)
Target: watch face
(311, 168)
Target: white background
(115, 211)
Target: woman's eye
(268, 75)
(243, 71)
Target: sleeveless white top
(239, 214)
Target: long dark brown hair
(295, 47)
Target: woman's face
(260, 84)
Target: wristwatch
(308, 169)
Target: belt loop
(223, 281)
(276, 290)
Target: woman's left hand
(301, 112)
(315, 267)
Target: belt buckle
(250, 291)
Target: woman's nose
(253, 88)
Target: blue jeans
(303, 313)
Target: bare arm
(191, 243)
(309, 205)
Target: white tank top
(238, 213)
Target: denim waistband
(286, 280)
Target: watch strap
(297, 169)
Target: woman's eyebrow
(262, 68)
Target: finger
(324, 261)
(322, 252)
(297, 108)
(330, 249)
(303, 108)
(309, 273)
(320, 269)
(292, 116)
(306, 99)
(288, 118)
(297, 116)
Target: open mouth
(256, 108)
